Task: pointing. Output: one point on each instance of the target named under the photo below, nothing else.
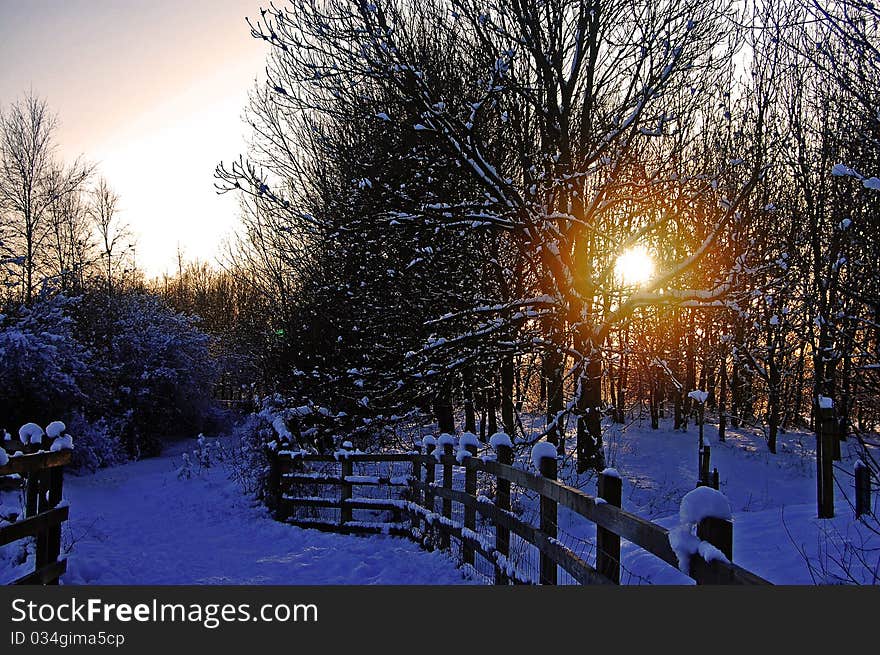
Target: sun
(634, 267)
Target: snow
(445, 439)
(62, 443)
(825, 402)
(55, 429)
(139, 524)
(462, 455)
(468, 439)
(541, 450)
(871, 183)
(428, 441)
(118, 519)
(280, 428)
(702, 503)
(841, 170)
(611, 473)
(710, 553)
(4, 458)
(30, 433)
(500, 439)
(699, 396)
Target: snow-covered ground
(140, 524)
(772, 497)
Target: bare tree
(113, 236)
(31, 182)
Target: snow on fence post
(347, 470)
(863, 489)
(546, 463)
(504, 451)
(469, 443)
(709, 511)
(825, 436)
(610, 489)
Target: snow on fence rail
(412, 502)
(42, 473)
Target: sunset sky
(151, 90)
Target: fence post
(470, 514)
(416, 492)
(610, 489)
(502, 502)
(345, 514)
(53, 536)
(31, 494)
(719, 533)
(715, 479)
(825, 436)
(705, 457)
(863, 489)
(273, 484)
(547, 467)
(447, 484)
(430, 478)
(41, 478)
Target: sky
(150, 90)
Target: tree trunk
(507, 402)
(773, 406)
(654, 400)
(679, 422)
(722, 401)
(623, 373)
(444, 411)
(470, 416)
(552, 377)
(590, 452)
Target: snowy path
(140, 524)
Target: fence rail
(43, 476)
(459, 485)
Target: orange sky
(153, 91)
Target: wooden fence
(462, 487)
(42, 476)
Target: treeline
(438, 194)
(83, 337)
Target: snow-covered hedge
(44, 369)
(131, 372)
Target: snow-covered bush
(248, 459)
(96, 444)
(44, 369)
(156, 371)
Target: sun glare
(634, 267)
